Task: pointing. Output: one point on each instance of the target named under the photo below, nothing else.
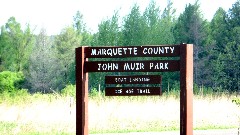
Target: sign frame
(186, 86)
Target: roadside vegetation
(38, 113)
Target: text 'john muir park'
(147, 51)
(129, 66)
(132, 66)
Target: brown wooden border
(81, 93)
(186, 90)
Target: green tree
(43, 65)
(80, 27)
(233, 14)
(219, 30)
(16, 42)
(167, 24)
(232, 48)
(1, 67)
(2, 44)
(108, 31)
(223, 55)
(152, 25)
(190, 28)
(65, 44)
(159, 30)
(78, 24)
(159, 27)
(133, 28)
(232, 64)
(217, 41)
(108, 35)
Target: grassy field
(52, 114)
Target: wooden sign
(133, 51)
(184, 65)
(132, 91)
(135, 79)
(132, 66)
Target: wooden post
(81, 93)
(186, 89)
(186, 84)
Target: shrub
(69, 90)
(236, 101)
(10, 81)
(94, 92)
(20, 96)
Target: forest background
(46, 63)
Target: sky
(54, 15)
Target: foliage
(18, 43)
(65, 44)
(236, 101)
(223, 54)
(11, 81)
(48, 63)
(134, 27)
(7, 127)
(218, 30)
(18, 97)
(81, 29)
(41, 75)
(108, 31)
(69, 90)
(190, 28)
(78, 24)
(108, 35)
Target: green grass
(12, 128)
(7, 128)
(154, 114)
(40, 114)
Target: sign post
(186, 89)
(81, 93)
(184, 65)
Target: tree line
(48, 62)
